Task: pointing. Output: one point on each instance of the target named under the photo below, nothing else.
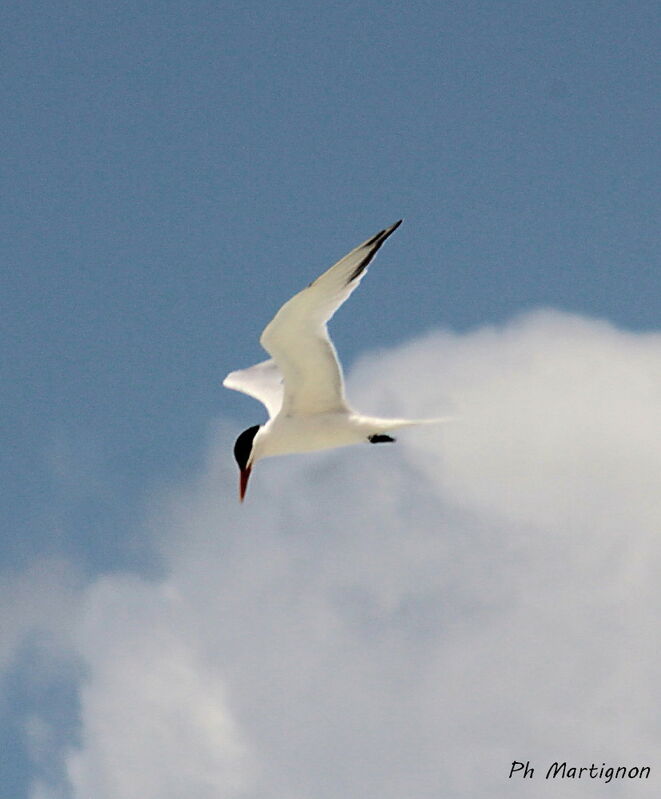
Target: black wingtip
(373, 245)
(382, 235)
(387, 231)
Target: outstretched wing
(297, 336)
(263, 381)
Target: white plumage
(302, 385)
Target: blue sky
(174, 171)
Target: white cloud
(406, 620)
(156, 720)
(38, 619)
(38, 605)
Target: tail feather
(384, 425)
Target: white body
(285, 434)
(301, 385)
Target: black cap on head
(243, 446)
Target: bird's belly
(308, 433)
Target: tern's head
(243, 452)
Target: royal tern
(301, 385)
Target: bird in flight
(301, 384)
